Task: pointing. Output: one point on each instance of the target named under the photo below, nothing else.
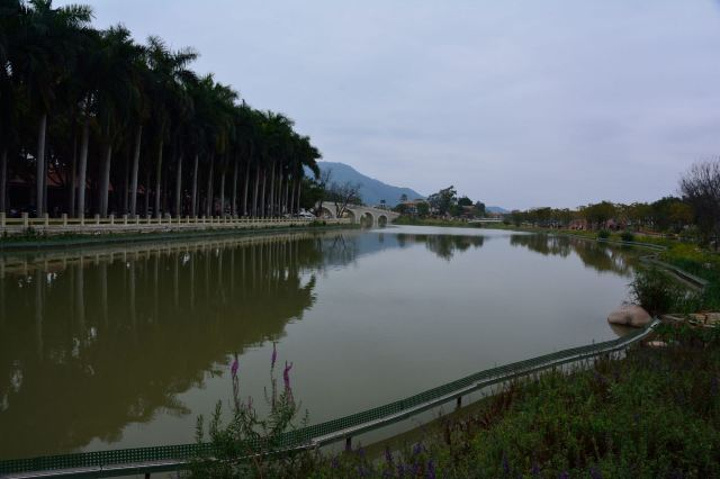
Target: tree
(343, 195)
(443, 199)
(464, 201)
(700, 187)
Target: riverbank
(33, 239)
(409, 221)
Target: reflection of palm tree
(126, 369)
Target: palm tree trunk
(222, 193)
(135, 171)
(247, 184)
(3, 181)
(195, 186)
(271, 202)
(178, 187)
(126, 186)
(287, 195)
(263, 202)
(40, 176)
(73, 178)
(82, 173)
(158, 179)
(105, 182)
(234, 190)
(256, 185)
(299, 187)
(147, 191)
(291, 197)
(209, 204)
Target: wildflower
(535, 471)
(564, 475)
(234, 367)
(430, 474)
(335, 463)
(286, 375)
(505, 465)
(595, 474)
(417, 448)
(388, 455)
(714, 386)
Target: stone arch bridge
(373, 217)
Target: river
(123, 346)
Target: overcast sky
(516, 103)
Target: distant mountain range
(371, 190)
(497, 209)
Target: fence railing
(148, 460)
(46, 222)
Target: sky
(516, 103)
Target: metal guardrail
(148, 460)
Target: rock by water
(630, 315)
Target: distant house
(411, 206)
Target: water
(123, 346)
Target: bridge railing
(146, 460)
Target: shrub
(627, 236)
(603, 234)
(655, 291)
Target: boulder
(630, 315)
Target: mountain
(371, 190)
(497, 209)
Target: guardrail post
(125, 218)
(25, 220)
(348, 443)
(64, 219)
(2, 220)
(82, 219)
(97, 220)
(46, 219)
(112, 219)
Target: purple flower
(535, 471)
(234, 367)
(274, 356)
(430, 473)
(388, 455)
(714, 386)
(595, 474)
(417, 448)
(335, 463)
(564, 475)
(505, 465)
(286, 375)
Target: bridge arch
(367, 219)
(382, 221)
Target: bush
(603, 234)
(627, 236)
(658, 293)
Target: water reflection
(598, 256)
(111, 338)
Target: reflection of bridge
(360, 214)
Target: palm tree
(169, 74)
(43, 54)
(118, 93)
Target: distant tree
(443, 199)
(598, 214)
(401, 208)
(480, 209)
(423, 209)
(403, 198)
(342, 195)
(464, 201)
(700, 186)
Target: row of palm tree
(93, 122)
